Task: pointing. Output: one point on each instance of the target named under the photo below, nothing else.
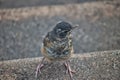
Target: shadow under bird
(57, 46)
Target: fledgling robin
(57, 45)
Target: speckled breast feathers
(57, 49)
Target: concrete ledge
(90, 66)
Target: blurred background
(24, 23)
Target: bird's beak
(75, 27)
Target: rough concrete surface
(103, 65)
(23, 29)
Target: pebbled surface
(103, 65)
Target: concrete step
(103, 65)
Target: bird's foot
(38, 69)
(69, 70)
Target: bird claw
(38, 69)
(69, 70)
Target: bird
(57, 46)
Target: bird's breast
(57, 49)
(60, 44)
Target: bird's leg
(69, 70)
(38, 69)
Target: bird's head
(63, 29)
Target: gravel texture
(89, 66)
(23, 29)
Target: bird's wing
(48, 44)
